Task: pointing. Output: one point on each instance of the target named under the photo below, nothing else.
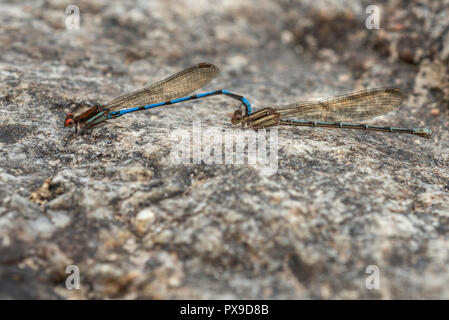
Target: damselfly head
(236, 117)
(69, 121)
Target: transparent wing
(349, 107)
(176, 86)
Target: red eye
(69, 122)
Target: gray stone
(138, 225)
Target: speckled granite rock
(137, 225)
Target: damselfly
(168, 91)
(330, 113)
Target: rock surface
(138, 225)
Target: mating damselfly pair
(328, 113)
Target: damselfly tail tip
(423, 132)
